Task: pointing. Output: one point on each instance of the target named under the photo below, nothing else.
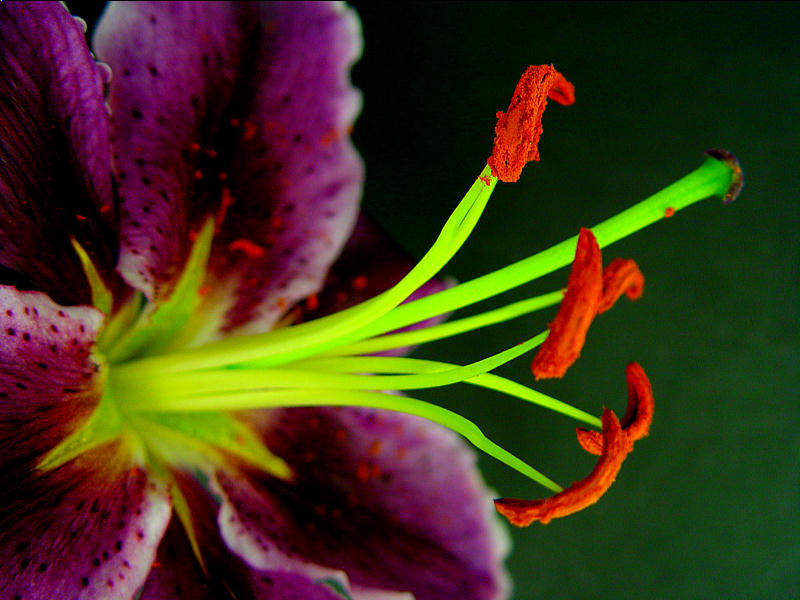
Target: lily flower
(203, 392)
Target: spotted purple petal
(178, 575)
(393, 501)
(48, 376)
(89, 528)
(54, 153)
(240, 111)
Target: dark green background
(707, 507)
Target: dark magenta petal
(393, 501)
(48, 376)
(54, 153)
(369, 264)
(239, 111)
(177, 575)
(88, 529)
(64, 533)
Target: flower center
(177, 402)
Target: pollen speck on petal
(251, 249)
(518, 129)
(580, 494)
(578, 308)
(621, 276)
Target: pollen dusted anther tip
(518, 129)
(737, 181)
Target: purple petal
(86, 530)
(54, 152)
(177, 574)
(68, 532)
(48, 377)
(257, 96)
(393, 501)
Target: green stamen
(337, 397)
(170, 389)
(375, 317)
(305, 339)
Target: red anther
(578, 308)
(518, 130)
(251, 249)
(580, 494)
(590, 440)
(638, 415)
(621, 276)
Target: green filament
(289, 343)
(337, 397)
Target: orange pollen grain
(105, 208)
(249, 130)
(359, 282)
(363, 471)
(198, 174)
(580, 494)
(203, 290)
(312, 302)
(518, 129)
(329, 137)
(375, 448)
(668, 212)
(194, 147)
(250, 249)
(225, 202)
(485, 180)
(276, 222)
(578, 308)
